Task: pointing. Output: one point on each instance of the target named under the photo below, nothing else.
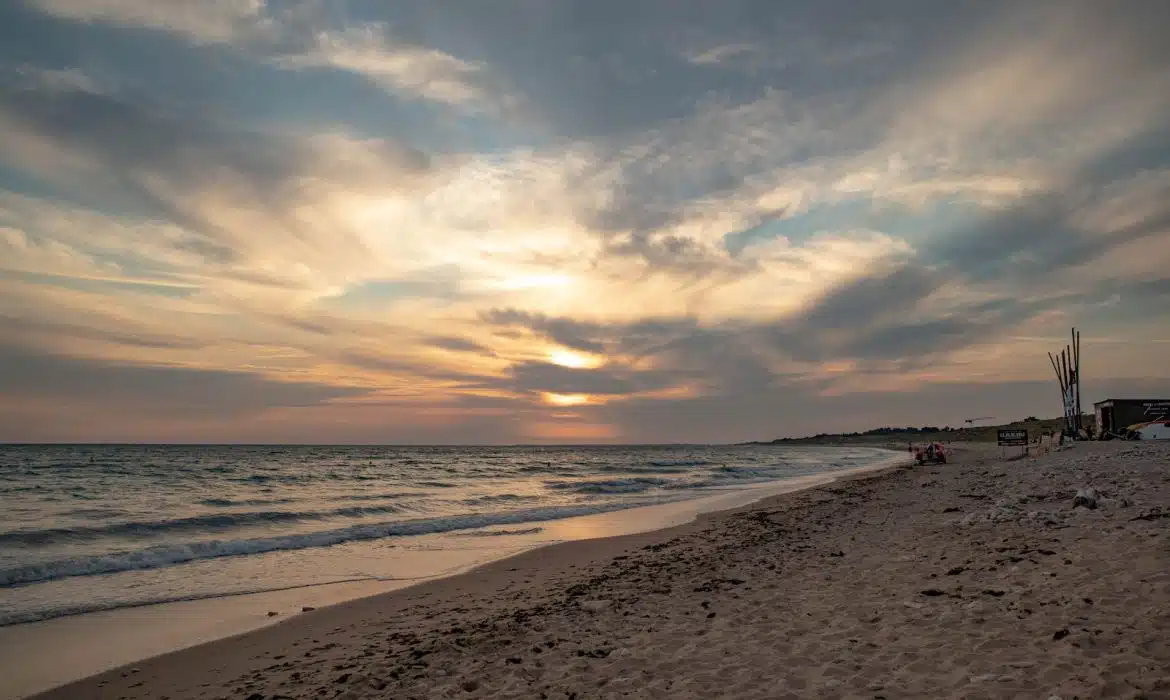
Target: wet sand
(976, 579)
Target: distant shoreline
(900, 437)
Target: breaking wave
(172, 554)
(228, 503)
(214, 522)
(609, 486)
(501, 533)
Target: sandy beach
(976, 579)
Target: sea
(85, 528)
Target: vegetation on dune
(980, 433)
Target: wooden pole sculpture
(1067, 366)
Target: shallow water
(85, 528)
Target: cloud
(141, 136)
(457, 344)
(59, 80)
(743, 213)
(544, 377)
(721, 54)
(793, 45)
(299, 37)
(414, 71)
(882, 322)
(18, 328)
(877, 296)
(206, 194)
(26, 376)
(202, 22)
(408, 369)
(567, 332)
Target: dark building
(1115, 414)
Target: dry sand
(976, 579)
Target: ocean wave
(724, 474)
(17, 617)
(498, 498)
(23, 489)
(681, 463)
(172, 554)
(214, 522)
(694, 484)
(272, 479)
(95, 513)
(609, 486)
(643, 469)
(501, 533)
(549, 469)
(390, 496)
(228, 503)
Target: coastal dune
(982, 578)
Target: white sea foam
(171, 554)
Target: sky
(530, 221)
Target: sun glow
(572, 432)
(567, 399)
(535, 281)
(573, 359)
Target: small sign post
(1012, 438)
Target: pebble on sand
(1087, 498)
(595, 605)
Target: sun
(573, 359)
(566, 399)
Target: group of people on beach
(933, 452)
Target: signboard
(1156, 408)
(1012, 438)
